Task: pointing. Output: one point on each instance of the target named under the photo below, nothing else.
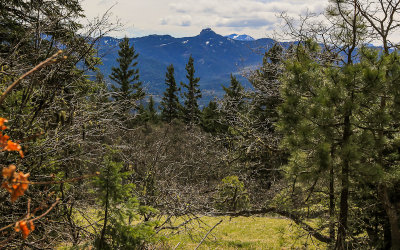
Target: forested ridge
(89, 165)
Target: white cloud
(177, 20)
(187, 17)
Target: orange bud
(9, 172)
(2, 121)
(23, 227)
(12, 146)
(16, 183)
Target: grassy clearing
(244, 233)
(232, 233)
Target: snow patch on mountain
(243, 37)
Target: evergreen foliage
(46, 110)
(266, 81)
(148, 113)
(153, 117)
(191, 111)
(211, 119)
(116, 196)
(232, 195)
(234, 95)
(126, 76)
(331, 119)
(170, 106)
(250, 118)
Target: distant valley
(216, 57)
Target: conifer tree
(232, 103)
(170, 105)
(147, 113)
(211, 119)
(254, 111)
(152, 110)
(234, 95)
(191, 111)
(120, 207)
(266, 82)
(331, 118)
(126, 76)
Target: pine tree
(265, 81)
(170, 105)
(152, 110)
(126, 76)
(234, 96)
(232, 104)
(120, 207)
(331, 118)
(191, 111)
(211, 119)
(147, 113)
(254, 111)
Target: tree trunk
(344, 209)
(392, 216)
(103, 231)
(332, 200)
(344, 194)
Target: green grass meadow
(243, 233)
(232, 233)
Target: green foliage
(232, 195)
(170, 106)
(191, 111)
(152, 113)
(132, 237)
(233, 103)
(126, 76)
(234, 95)
(250, 118)
(340, 122)
(266, 81)
(49, 111)
(148, 113)
(120, 208)
(211, 119)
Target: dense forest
(85, 164)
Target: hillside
(216, 57)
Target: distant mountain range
(216, 57)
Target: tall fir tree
(126, 76)
(234, 94)
(191, 111)
(211, 119)
(120, 207)
(254, 111)
(266, 82)
(151, 109)
(150, 114)
(170, 105)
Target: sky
(181, 18)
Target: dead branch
(205, 236)
(48, 61)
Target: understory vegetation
(309, 157)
